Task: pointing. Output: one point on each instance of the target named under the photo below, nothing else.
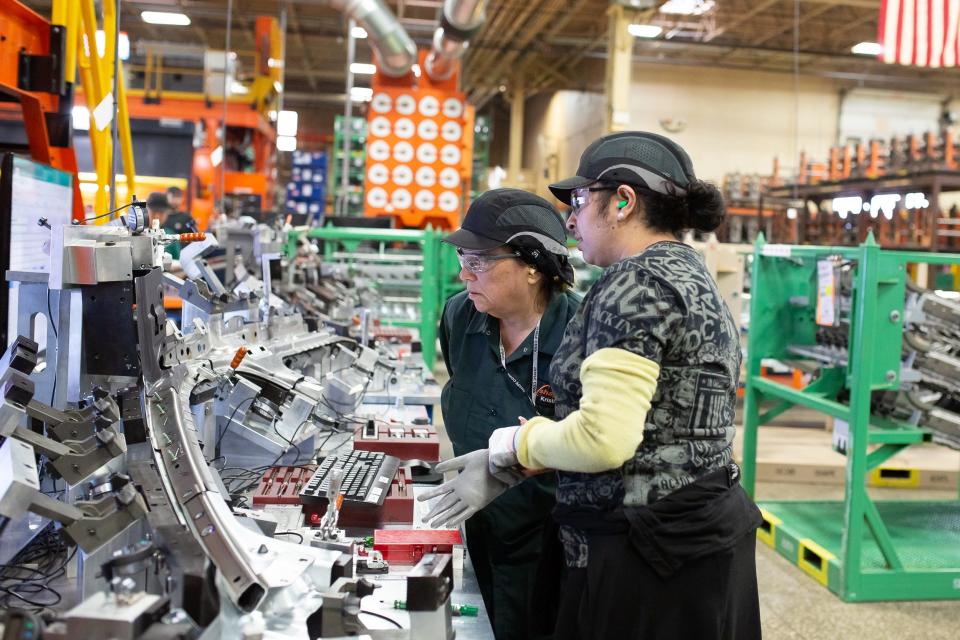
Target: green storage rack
(357, 164)
(861, 549)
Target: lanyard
(536, 352)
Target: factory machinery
(886, 355)
(119, 431)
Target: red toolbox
(404, 441)
(397, 507)
(407, 546)
(281, 485)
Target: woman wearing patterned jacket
(657, 534)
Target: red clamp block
(404, 441)
(281, 485)
(407, 546)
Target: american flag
(921, 33)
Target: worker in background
(179, 221)
(175, 197)
(657, 534)
(158, 207)
(498, 339)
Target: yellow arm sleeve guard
(607, 428)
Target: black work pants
(620, 596)
(505, 559)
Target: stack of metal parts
(396, 277)
(152, 410)
(929, 394)
(325, 293)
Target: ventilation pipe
(395, 51)
(459, 21)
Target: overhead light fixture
(165, 18)
(81, 118)
(867, 49)
(363, 68)
(848, 205)
(358, 32)
(361, 94)
(644, 30)
(916, 200)
(687, 7)
(286, 143)
(287, 123)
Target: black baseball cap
(157, 201)
(503, 216)
(631, 157)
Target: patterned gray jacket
(663, 305)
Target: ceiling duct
(395, 51)
(459, 21)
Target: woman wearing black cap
(498, 339)
(657, 534)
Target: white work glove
(503, 453)
(473, 489)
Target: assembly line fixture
(416, 277)
(861, 549)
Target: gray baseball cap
(505, 216)
(639, 158)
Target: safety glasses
(580, 196)
(479, 262)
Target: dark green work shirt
(505, 538)
(178, 222)
(480, 397)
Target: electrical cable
(216, 448)
(289, 533)
(382, 617)
(30, 585)
(110, 213)
(290, 441)
(56, 339)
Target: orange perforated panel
(419, 137)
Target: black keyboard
(366, 480)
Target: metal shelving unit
(860, 549)
(357, 163)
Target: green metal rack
(482, 133)
(860, 549)
(450, 282)
(357, 130)
(420, 250)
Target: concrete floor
(794, 607)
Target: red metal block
(407, 546)
(281, 485)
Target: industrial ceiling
(551, 44)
